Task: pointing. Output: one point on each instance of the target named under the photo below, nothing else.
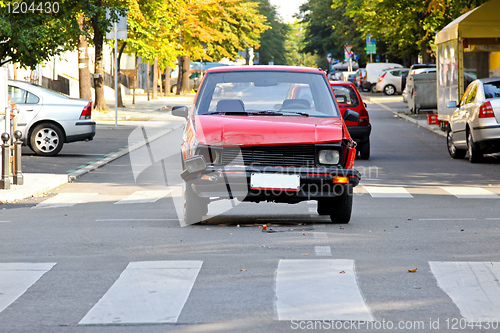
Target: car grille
(289, 155)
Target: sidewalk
(36, 184)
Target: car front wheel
(364, 150)
(454, 152)
(475, 154)
(339, 208)
(194, 206)
(46, 139)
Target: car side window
(18, 95)
(21, 96)
(469, 95)
(31, 99)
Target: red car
(348, 97)
(267, 133)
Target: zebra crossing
(305, 289)
(376, 192)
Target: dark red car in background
(348, 97)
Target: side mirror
(180, 111)
(350, 115)
(452, 104)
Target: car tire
(341, 206)
(194, 206)
(373, 88)
(475, 154)
(364, 150)
(389, 89)
(454, 152)
(46, 139)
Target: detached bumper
(280, 184)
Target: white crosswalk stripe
(65, 200)
(319, 289)
(470, 193)
(146, 292)
(143, 197)
(16, 278)
(473, 286)
(388, 192)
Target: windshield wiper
(244, 113)
(278, 113)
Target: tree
(272, 48)
(35, 36)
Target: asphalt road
(421, 251)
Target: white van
(373, 71)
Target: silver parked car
(475, 124)
(49, 119)
(390, 81)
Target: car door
(461, 116)
(29, 106)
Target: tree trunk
(179, 75)
(147, 79)
(83, 62)
(155, 79)
(100, 101)
(160, 82)
(120, 99)
(167, 86)
(186, 62)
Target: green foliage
(272, 40)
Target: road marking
(470, 192)
(65, 200)
(143, 197)
(388, 192)
(16, 278)
(146, 292)
(473, 287)
(323, 251)
(119, 220)
(320, 235)
(449, 219)
(319, 289)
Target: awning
(481, 22)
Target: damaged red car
(267, 133)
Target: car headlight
(329, 157)
(195, 163)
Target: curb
(435, 129)
(113, 156)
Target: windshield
(273, 93)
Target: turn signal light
(341, 180)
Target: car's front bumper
(235, 181)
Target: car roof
(489, 79)
(264, 68)
(417, 66)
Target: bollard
(18, 172)
(5, 181)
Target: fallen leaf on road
(343, 272)
(243, 270)
(412, 270)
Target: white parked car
(475, 124)
(49, 119)
(390, 81)
(373, 71)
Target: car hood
(269, 130)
